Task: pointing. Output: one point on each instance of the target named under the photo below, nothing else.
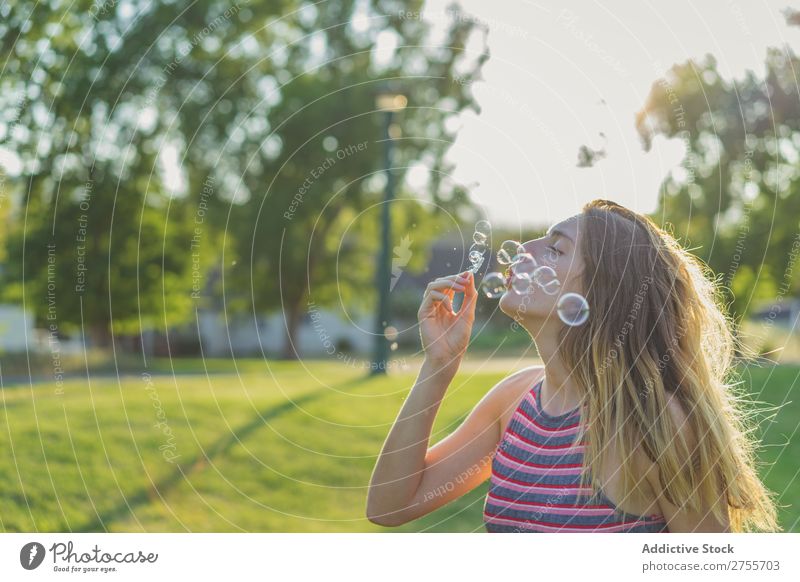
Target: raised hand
(445, 334)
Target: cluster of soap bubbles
(480, 238)
(526, 276)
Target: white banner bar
(398, 556)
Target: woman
(630, 425)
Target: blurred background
(217, 220)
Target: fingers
(444, 289)
(462, 277)
(428, 307)
(470, 297)
(431, 296)
(457, 282)
(445, 285)
(439, 296)
(470, 285)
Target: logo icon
(31, 555)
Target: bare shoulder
(507, 393)
(511, 385)
(678, 413)
(681, 419)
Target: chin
(521, 307)
(511, 303)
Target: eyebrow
(556, 232)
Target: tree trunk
(295, 310)
(100, 335)
(290, 348)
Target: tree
(311, 176)
(243, 103)
(736, 197)
(98, 237)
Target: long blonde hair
(656, 329)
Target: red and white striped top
(535, 482)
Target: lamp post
(390, 102)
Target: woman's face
(559, 250)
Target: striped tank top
(535, 479)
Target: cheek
(571, 283)
(571, 277)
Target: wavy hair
(657, 329)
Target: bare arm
(451, 468)
(401, 463)
(681, 520)
(407, 476)
(412, 482)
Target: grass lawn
(257, 446)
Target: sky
(559, 74)
(562, 73)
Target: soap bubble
(480, 246)
(476, 264)
(544, 274)
(509, 251)
(552, 287)
(524, 263)
(480, 238)
(493, 285)
(521, 284)
(483, 227)
(545, 277)
(390, 333)
(475, 257)
(522, 273)
(573, 309)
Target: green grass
(277, 447)
(779, 458)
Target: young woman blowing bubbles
(629, 426)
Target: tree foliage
(161, 143)
(736, 197)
